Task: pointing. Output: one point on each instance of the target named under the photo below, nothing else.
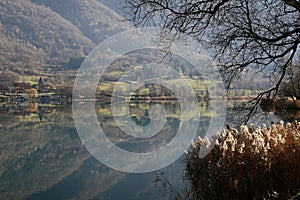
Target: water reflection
(42, 156)
(36, 154)
(288, 115)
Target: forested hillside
(41, 32)
(93, 18)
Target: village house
(43, 88)
(23, 91)
(20, 87)
(4, 88)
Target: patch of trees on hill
(34, 33)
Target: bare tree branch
(293, 3)
(259, 35)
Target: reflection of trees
(31, 107)
(289, 115)
(34, 154)
(37, 156)
(15, 115)
(139, 113)
(285, 109)
(8, 120)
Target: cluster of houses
(23, 91)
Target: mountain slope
(33, 34)
(116, 5)
(39, 32)
(92, 17)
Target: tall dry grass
(252, 163)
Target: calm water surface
(42, 156)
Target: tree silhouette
(243, 35)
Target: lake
(43, 157)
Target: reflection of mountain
(49, 156)
(37, 158)
(138, 113)
(94, 181)
(87, 182)
(46, 159)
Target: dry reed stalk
(253, 163)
